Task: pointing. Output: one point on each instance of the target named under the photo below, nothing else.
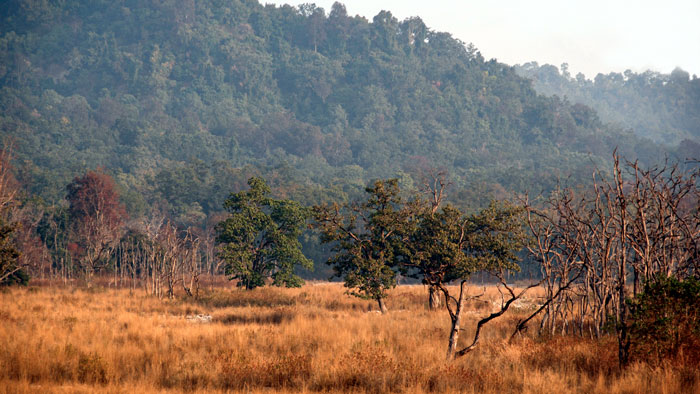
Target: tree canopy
(260, 238)
(365, 238)
(661, 107)
(97, 217)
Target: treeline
(175, 98)
(639, 228)
(620, 256)
(662, 107)
(91, 236)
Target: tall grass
(312, 339)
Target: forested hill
(662, 107)
(182, 100)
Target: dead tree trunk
(505, 304)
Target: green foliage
(447, 245)
(142, 88)
(365, 237)
(497, 234)
(183, 102)
(54, 231)
(665, 320)
(662, 107)
(260, 238)
(436, 249)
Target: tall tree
(447, 246)
(366, 238)
(433, 185)
(260, 239)
(97, 217)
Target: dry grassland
(312, 339)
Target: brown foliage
(97, 218)
(94, 196)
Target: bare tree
(638, 226)
(556, 253)
(10, 263)
(506, 301)
(191, 262)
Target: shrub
(91, 369)
(19, 278)
(665, 321)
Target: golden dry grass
(312, 339)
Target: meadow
(57, 339)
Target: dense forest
(151, 150)
(662, 107)
(183, 101)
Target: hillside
(181, 101)
(662, 107)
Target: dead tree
(556, 253)
(10, 263)
(191, 263)
(635, 226)
(506, 302)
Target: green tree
(366, 238)
(261, 237)
(448, 246)
(137, 97)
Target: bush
(665, 321)
(9, 256)
(19, 278)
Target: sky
(593, 36)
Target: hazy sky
(592, 36)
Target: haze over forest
(181, 102)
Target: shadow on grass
(275, 317)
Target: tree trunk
(434, 298)
(456, 320)
(88, 276)
(623, 339)
(382, 305)
(454, 336)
